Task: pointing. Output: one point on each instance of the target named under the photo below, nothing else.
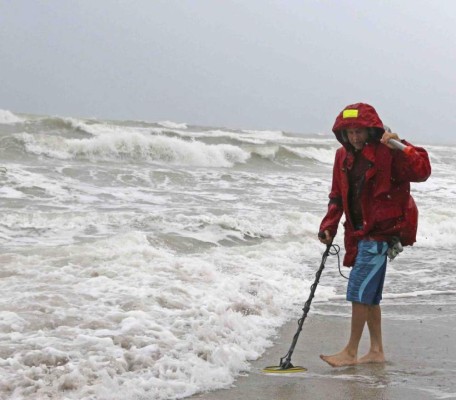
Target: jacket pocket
(384, 211)
(386, 215)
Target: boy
(371, 186)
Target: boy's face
(357, 137)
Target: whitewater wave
(91, 127)
(110, 143)
(172, 125)
(225, 135)
(284, 154)
(134, 145)
(7, 117)
(322, 155)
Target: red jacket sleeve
(335, 209)
(411, 167)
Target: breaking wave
(123, 145)
(7, 117)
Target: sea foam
(7, 117)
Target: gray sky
(256, 64)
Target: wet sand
(420, 351)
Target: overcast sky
(287, 65)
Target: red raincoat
(387, 206)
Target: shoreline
(420, 352)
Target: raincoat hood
(359, 115)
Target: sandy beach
(420, 352)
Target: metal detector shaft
(398, 145)
(285, 361)
(408, 150)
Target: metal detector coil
(279, 370)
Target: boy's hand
(387, 136)
(326, 239)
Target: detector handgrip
(401, 146)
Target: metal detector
(285, 362)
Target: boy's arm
(335, 208)
(411, 166)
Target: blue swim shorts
(365, 284)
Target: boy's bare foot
(372, 357)
(340, 359)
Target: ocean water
(147, 260)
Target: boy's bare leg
(348, 356)
(374, 323)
